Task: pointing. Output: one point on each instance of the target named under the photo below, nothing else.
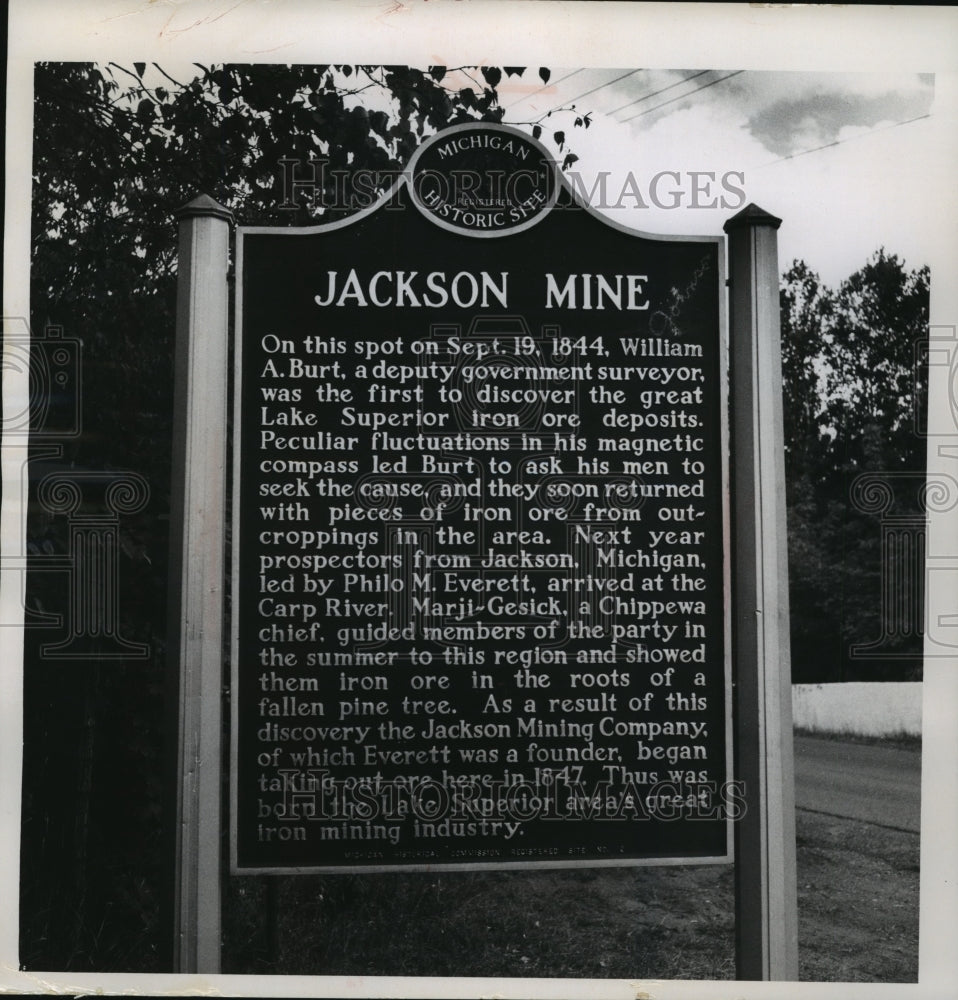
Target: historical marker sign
(480, 531)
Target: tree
(851, 389)
(881, 314)
(117, 149)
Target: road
(877, 784)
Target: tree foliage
(117, 149)
(852, 389)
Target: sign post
(765, 891)
(485, 603)
(197, 522)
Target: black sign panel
(480, 531)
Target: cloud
(825, 151)
(807, 121)
(786, 112)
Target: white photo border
(417, 32)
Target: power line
(661, 90)
(682, 97)
(601, 86)
(839, 142)
(545, 87)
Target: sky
(849, 161)
(883, 184)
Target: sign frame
(560, 180)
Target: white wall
(863, 709)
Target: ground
(857, 898)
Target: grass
(857, 901)
(587, 923)
(897, 741)
(858, 918)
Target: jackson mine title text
(483, 289)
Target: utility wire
(839, 142)
(609, 83)
(601, 86)
(661, 90)
(681, 97)
(545, 87)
